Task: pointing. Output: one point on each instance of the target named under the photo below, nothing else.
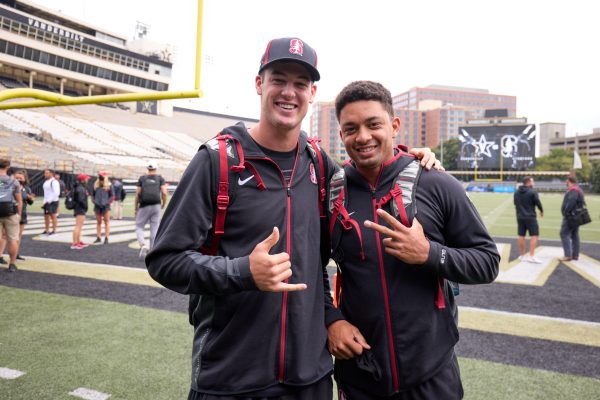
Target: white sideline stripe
(67, 238)
(140, 270)
(89, 394)
(530, 316)
(586, 267)
(7, 373)
(64, 226)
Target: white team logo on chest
(313, 175)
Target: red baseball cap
(83, 177)
(102, 173)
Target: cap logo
(296, 46)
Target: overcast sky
(545, 53)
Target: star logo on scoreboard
(483, 146)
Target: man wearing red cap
(80, 201)
(262, 294)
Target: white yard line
(7, 373)
(89, 394)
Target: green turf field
(64, 342)
(498, 213)
(497, 210)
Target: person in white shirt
(50, 206)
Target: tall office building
(427, 115)
(442, 109)
(324, 125)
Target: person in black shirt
(526, 200)
(399, 327)
(28, 197)
(150, 198)
(569, 236)
(80, 199)
(264, 297)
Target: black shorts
(101, 209)
(321, 390)
(445, 385)
(50, 208)
(78, 211)
(528, 224)
(23, 218)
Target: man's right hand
(269, 271)
(344, 340)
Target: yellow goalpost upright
(477, 174)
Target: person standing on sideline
(103, 197)
(80, 207)
(526, 200)
(397, 338)
(51, 195)
(150, 198)
(11, 207)
(570, 236)
(263, 295)
(117, 205)
(27, 197)
(63, 190)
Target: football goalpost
(45, 98)
(489, 176)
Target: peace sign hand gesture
(407, 244)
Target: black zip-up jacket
(80, 196)
(573, 199)
(246, 340)
(392, 303)
(526, 200)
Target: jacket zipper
(385, 292)
(288, 248)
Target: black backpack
(150, 189)
(70, 198)
(7, 199)
(403, 206)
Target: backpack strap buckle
(222, 201)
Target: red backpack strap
(396, 195)
(339, 210)
(313, 142)
(223, 198)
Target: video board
(484, 147)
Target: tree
(450, 155)
(562, 160)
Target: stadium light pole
(49, 99)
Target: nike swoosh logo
(349, 214)
(243, 182)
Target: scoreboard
(495, 147)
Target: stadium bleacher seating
(92, 138)
(10, 83)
